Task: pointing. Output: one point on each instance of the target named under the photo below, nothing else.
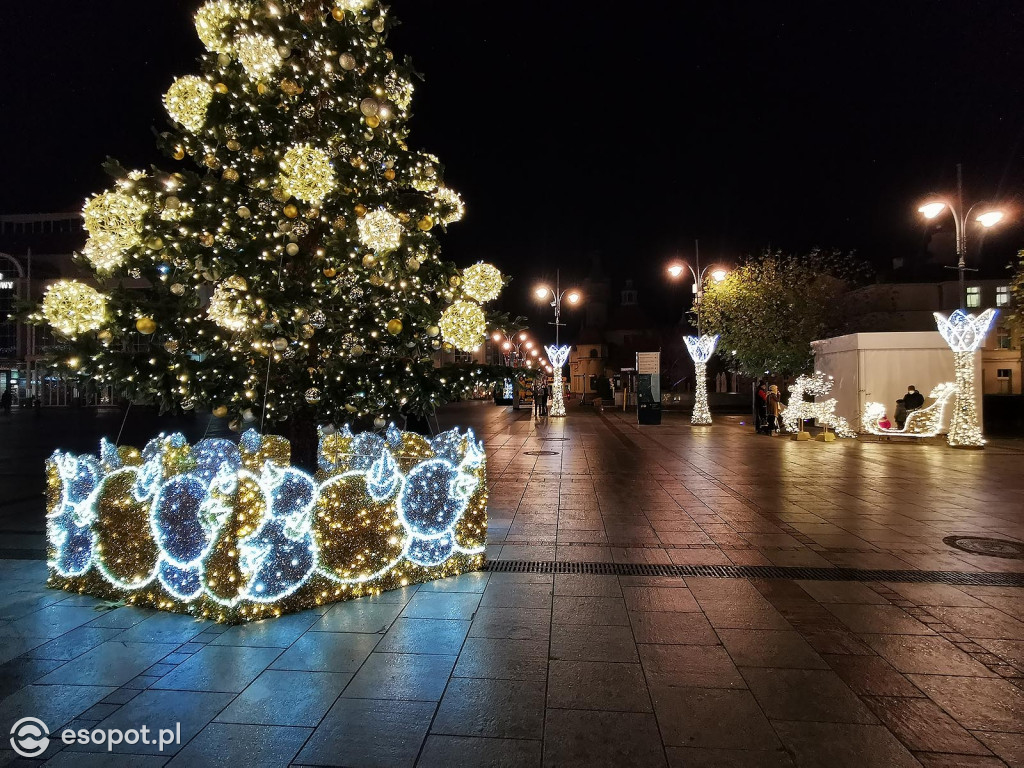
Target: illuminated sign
(6, 285)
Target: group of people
(768, 409)
(904, 406)
(540, 396)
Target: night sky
(627, 129)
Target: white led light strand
(701, 348)
(558, 357)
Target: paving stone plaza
(655, 596)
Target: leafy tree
(770, 308)
(286, 271)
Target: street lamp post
(572, 296)
(513, 346)
(557, 355)
(961, 219)
(700, 347)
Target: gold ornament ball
(220, 411)
(230, 174)
(291, 211)
(206, 239)
(292, 249)
(178, 289)
(454, 281)
(179, 153)
(234, 145)
(432, 331)
(338, 13)
(379, 422)
(394, 327)
(369, 107)
(376, 280)
(369, 260)
(360, 210)
(280, 344)
(347, 62)
(172, 203)
(425, 224)
(378, 24)
(330, 272)
(389, 174)
(357, 351)
(171, 345)
(243, 212)
(146, 326)
(223, 59)
(105, 337)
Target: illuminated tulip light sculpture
(964, 333)
(235, 533)
(701, 349)
(558, 357)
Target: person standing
(774, 410)
(536, 397)
(544, 397)
(5, 401)
(761, 409)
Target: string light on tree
(482, 282)
(307, 173)
(464, 325)
(213, 20)
(187, 101)
(74, 308)
(450, 205)
(115, 217)
(258, 55)
(964, 333)
(380, 231)
(701, 348)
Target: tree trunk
(302, 433)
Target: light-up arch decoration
(558, 357)
(964, 333)
(701, 348)
(234, 533)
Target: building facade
(910, 307)
(35, 250)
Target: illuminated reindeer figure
(799, 410)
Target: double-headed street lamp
(700, 347)
(571, 295)
(678, 269)
(988, 217)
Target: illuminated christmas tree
(286, 273)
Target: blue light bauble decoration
(433, 498)
(278, 560)
(366, 448)
(178, 520)
(74, 544)
(211, 454)
(183, 583)
(429, 552)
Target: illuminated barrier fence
(234, 533)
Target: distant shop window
(973, 296)
(463, 357)
(1002, 295)
(1002, 373)
(1002, 338)
(593, 351)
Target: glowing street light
(987, 218)
(513, 346)
(678, 269)
(556, 295)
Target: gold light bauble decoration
(258, 55)
(425, 224)
(212, 22)
(187, 101)
(354, 6)
(72, 308)
(146, 326)
(307, 174)
(482, 282)
(380, 230)
(103, 252)
(394, 327)
(117, 218)
(229, 309)
(464, 326)
(449, 204)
